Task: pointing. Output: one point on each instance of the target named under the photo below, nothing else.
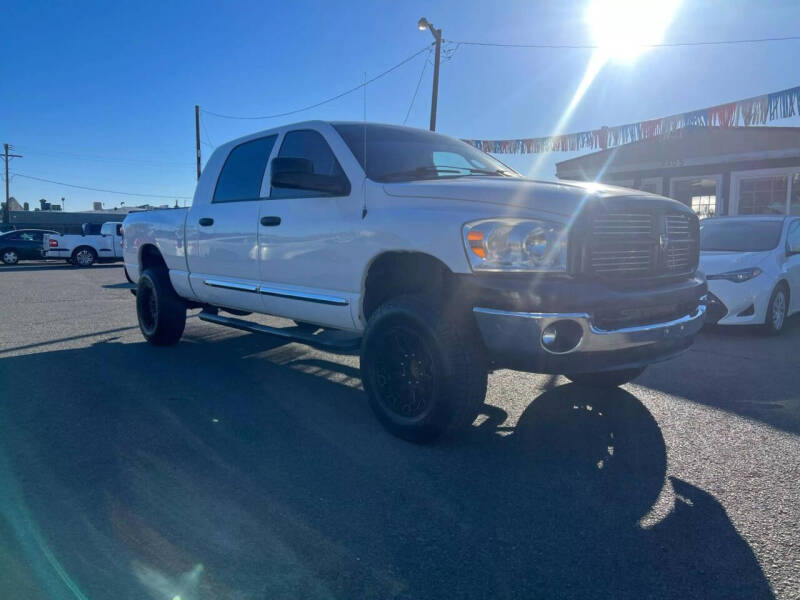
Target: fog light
(562, 336)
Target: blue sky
(103, 94)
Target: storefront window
(704, 206)
(700, 193)
(763, 195)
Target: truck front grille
(622, 245)
(681, 249)
(638, 244)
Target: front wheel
(161, 312)
(776, 310)
(606, 379)
(423, 368)
(10, 257)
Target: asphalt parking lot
(233, 466)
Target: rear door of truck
(223, 232)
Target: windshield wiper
(426, 171)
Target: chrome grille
(635, 244)
(622, 245)
(622, 224)
(681, 251)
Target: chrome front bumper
(515, 340)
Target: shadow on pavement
(53, 265)
(739, 370)
(208, 471)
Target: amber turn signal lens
(475, 239)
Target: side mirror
(298, 174)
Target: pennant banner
(744, 113)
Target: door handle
(206, 221)
(270, 221)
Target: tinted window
(740, 235)
(243, 171)
(404, 154)
(308, 144)
(793, 238)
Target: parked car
(432, 259)
(88, 248)
(753, 268)
(22, 244)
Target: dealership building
(714, 170)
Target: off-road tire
(449, 375)
(161, 312)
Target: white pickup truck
(86, 249)
(432, 259)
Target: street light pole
(423, 24)
(197, 137)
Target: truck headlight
(506, 244)
(737, 276)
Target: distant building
(714, 170)
(12, 204)
(59, 220)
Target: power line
(331, 99)
(92, 189)
(661, 45)
(94, 157)
(416, 90)
(208, 137)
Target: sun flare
(623, 29)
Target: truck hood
(562, 198)
(713, 263)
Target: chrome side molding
(231, 285)
(276, 292)
(318, 298)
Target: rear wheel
(423, 368)
(84, 257)
(9, 257)
(606, 379)
(776, 310)
(161, 312)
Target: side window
(27, 236)
(243, 171)
(793, 237)
(310, 145)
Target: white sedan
(753, 268)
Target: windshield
(740, 235)
(406, 154)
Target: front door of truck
(222, 235)
(308, 239)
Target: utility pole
(7, 207)
(197, 135)
(437, 35)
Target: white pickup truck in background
(432, 259)
(84, 250)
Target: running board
(328, 339)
